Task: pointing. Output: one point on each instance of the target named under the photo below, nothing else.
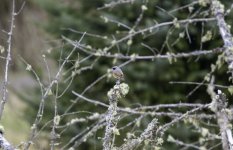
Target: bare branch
(163, 128)
(8, 59)
(219, 106)
(111, 118)
(218, 10)
(147, 134)
(46, 93)
(137, 57)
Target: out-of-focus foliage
(148, 80)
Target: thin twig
(8, 59)
(46, 93)
(218, 10)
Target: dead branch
(111, 118)
(218, 11)
(147, 134)
(219, 106)
(8, 59)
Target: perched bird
(117, 73)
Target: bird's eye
(113, 68)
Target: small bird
(117, 73)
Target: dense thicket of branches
(177, 61)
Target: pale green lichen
(229, 112)
(94, 116)
(157, 148)
(29, 67)
(57, 120)
(129, 42)
(213, 105)
(143, 7)
(49, 50)
(191, 8)
(207, 37)
(231, 48)
(203, 148)
(213, 67)
(77, 64)
(176, 23)
(124, 88)
(109, 74)
(130, 135)
(151, 29)
(114, 148)
(118, 91)
(88, 47)
(204, 132)
(170, 58)
(105, 19)
(146, 142)
(138, 123)
(131, 31)
(50, 92)
(230, 90)
(220, 61)
(229, 126)
(112, 94)
(181, 35)
(217, 7)
(98, 53)
(170, 138)
(2, 49)
(115, 131)
(33, 126)
(159, 141)
(105, 49)
(113, 42)
(192, 120)
(75, 120)
(203, 3)
(207, 77)
(133, 56)
(201, 140)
